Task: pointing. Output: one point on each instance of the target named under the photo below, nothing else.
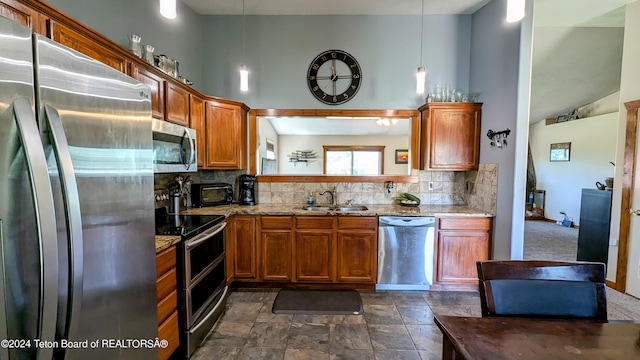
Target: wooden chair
(542, 289)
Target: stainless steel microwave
(174, 148)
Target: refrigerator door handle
(74, 218)
(47, 232)
(192, 153)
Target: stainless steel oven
(174, 148)
(203, 283)
(201, 273)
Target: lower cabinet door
(169, 331)
(276, 255)
(314, 256)
(356, 257)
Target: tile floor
(395, 325)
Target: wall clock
(334, 77)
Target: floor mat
(318, 302)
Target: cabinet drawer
(276, 222)
(465, 223)
(364, 223)
(314, 222)
(166, 284)
(167, 306)
(169, 331)
(165, 261)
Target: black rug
(318, 302)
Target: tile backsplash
(477, 189)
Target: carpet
(318, 302)
(545, 240)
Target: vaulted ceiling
(577, 46)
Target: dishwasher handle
(407, 221)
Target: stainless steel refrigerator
(76, 205)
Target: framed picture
(560, 152)
(402, 156)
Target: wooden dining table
(509, 338)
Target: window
(271, 150)
(353, 160)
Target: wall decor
(560, 152)
(334, 77)
(402, 156)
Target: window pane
(338, 162)
(366, 163)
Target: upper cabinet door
(196, 121)
(177, 108)
(24, 15)
(81, 43)
(156, 83)
(450, 136)
(226, 136)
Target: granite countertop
(373, 210)
(166, 241)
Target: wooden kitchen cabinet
(177, 103)
(226, 136)
(196, 121)
(450, 136)
(314, 248)
(24, 15)
(357, 249)
(242, 233)
(156, 84)
(167, 301)
(276, 243)
(80, 42)
(460, 242)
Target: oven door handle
(204, 236)
(203, 321)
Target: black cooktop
(184, 225)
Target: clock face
(334, 77)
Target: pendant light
(244, 71)
(168, 8)
(515, 10)
(421, 74)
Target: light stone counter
(381, 210)
(166, 241)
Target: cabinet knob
(634, 212)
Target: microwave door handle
(192, 152)
(46, 225)
(74, 218)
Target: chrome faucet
(333, 195)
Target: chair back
(545, 289)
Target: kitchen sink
(317, 208)
(351, 208)
(336, 208)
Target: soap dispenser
(311, 200)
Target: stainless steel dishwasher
(405, 252)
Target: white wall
(266, 131)
(629, 90)
(593, 145)
(291, 143)
(495, 70)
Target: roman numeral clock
(334, 77)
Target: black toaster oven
(211, 194)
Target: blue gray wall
(179, 39)
(495, 69)
(279, 50)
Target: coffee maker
(247, 194)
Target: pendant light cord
(421, 30)
(244, 44)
